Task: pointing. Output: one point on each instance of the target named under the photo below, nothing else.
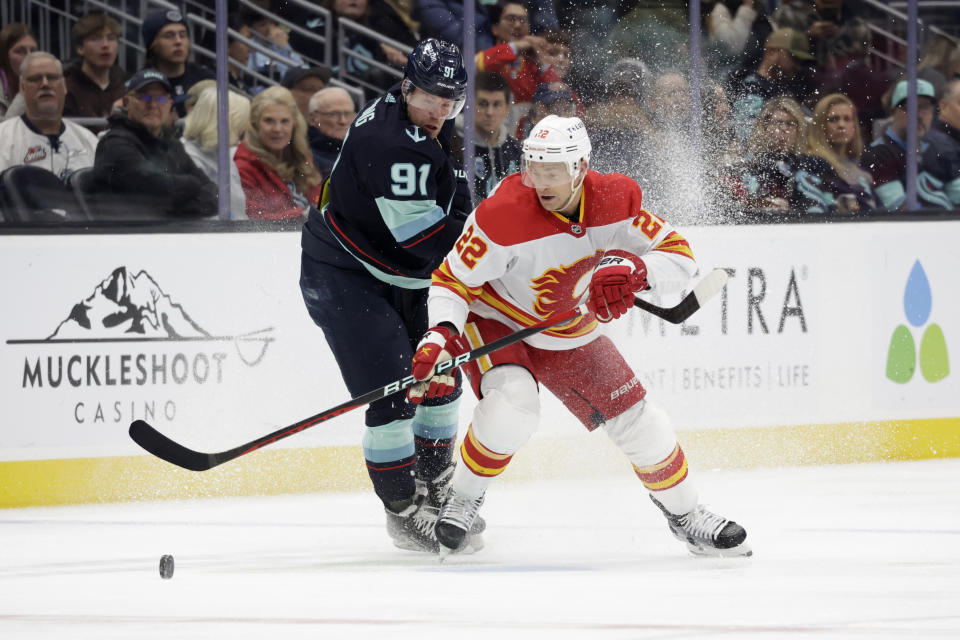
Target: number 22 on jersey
(648, 223)
(470, 248)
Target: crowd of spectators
(795, 114)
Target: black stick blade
(166, 449)
(708, 287)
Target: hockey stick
(175, 453)
(708, 287)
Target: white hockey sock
(467, 483)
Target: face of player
(428, 111)
(150, 106)
(492, 107)
(99, 50)
(20, 50)
(350, 8)
(782, 130)
(172, 45)
(275, 128)
(514, 24)
(841, 125)
(553, 184)
(44, 89)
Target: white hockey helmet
(556, 139)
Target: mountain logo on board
(132, 307)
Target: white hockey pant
(503, 420)
(645, 435)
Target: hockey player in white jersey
(547, 237)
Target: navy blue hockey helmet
(437, 67)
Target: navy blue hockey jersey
(390, 195)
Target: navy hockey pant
(372, 329)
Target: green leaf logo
(902, 356)
(934, 363)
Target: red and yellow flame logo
(558, 289)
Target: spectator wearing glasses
(167, 41)
(778, 176)
(518, 56)
(140, 157)
(330, 113)
(94, 83)
(40, 137)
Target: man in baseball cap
(886, 157)
(144, 77)
(303, 82)
(167, 41)
(148, 99)
(141, 163)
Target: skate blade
(473, 543)
(740, 551)
(412, 546)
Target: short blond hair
(201, 123)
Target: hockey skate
(706, 533)
(457, 517)
(411, 525)
(435, 493)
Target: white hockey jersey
(74, 148)
(521, 264)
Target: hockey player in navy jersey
(391, 210)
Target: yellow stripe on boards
(842, 443)
(120, 479)
(269, 472)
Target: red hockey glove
(613, 285)
(439, 344)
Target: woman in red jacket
(279, 181)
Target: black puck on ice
(166, 567)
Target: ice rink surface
(858, 551)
